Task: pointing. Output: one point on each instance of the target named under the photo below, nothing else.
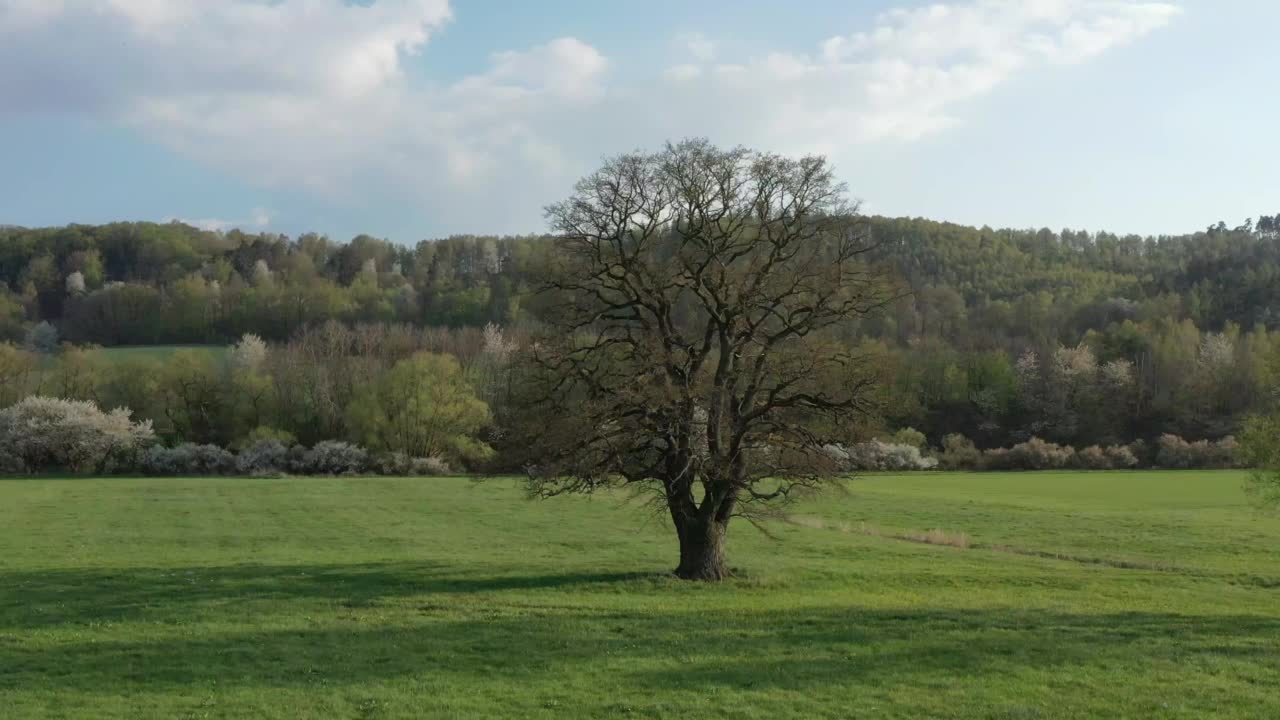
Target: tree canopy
(699, 295)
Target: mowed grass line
(398, 598)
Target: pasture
(1053, 595)
(157, 352)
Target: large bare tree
(698, 302)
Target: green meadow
(157, 352)
(933, 595)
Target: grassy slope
(157, 352)
(385, 598)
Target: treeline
(1131, 380)
(398, 396)
(143, 283)
(1001, 336)
(976, 288)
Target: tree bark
(702, 551)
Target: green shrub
(909, 437)
(1260, 450)
(959, 453)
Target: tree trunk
(702, 551)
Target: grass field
(157, 352)
(1107, 595)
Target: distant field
(158, 352)
(1101, 595)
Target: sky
(413, 119)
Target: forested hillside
(1000, 335)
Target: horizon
(253, 231)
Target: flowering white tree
(262, 274)
(496, 345)
(43, 433)
(249, 353)
(75, 283)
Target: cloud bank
(322, 96)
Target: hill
(1000, 335)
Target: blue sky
(410, 119)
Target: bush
(429, 467)
(41, 433)
(1142, 450)
(1034, 454)
(1176, 453)
(266, 457)
(880, 455)
(401, 465)
(1115, 457)
(1121, 457)
(959, 453)
(1091, 458)
(187, 459)
(909, 437)
(1227, 453)
(330, 457)
(997, 459)
(1037, 454)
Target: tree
(42, 338)
(16, 367)
(76, 374)
(693, 348)
(194, 399)
(248, 386)
(75, 283)
(422, 407)
(45, 433)
(1260, 448)
(249, 354)
(262, 276)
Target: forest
(993, 338)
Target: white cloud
(322, 95)
(698, 46)
(310, 94)
(259, 219)
(91, 53)
(683, 72)
(911, 73)
(566, 67)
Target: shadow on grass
(57, 597)
(662, 651)
(337, 625)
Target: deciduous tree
(699, 292)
